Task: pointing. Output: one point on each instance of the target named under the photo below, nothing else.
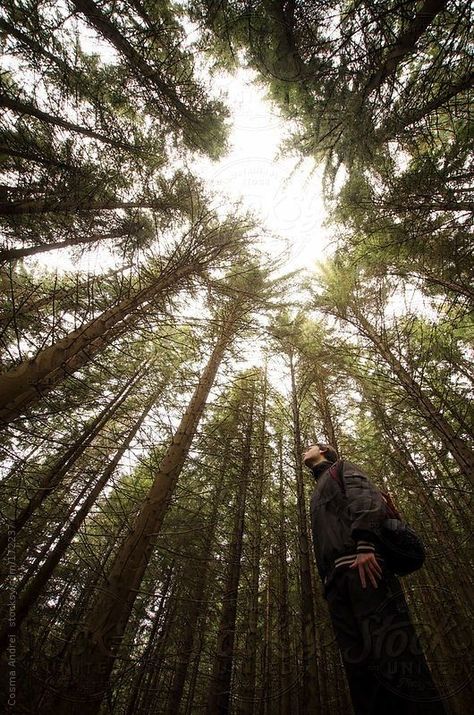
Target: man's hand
(368, 566)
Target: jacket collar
(318, 469)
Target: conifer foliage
(158, 386)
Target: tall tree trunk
(138, 64)
(109, 615)
(24, 384)
(286, 672)
(246, 703)
(310, 694)
(28, 598)
(266, 701)
(195, 608)
(13, 254)
(397, 122)
(22, 108)
(457, 446)
(325, 410)
(218, 702)
(32, 153)
(36, 47)
(145, 658)
(405, 44)
(28, 305)
(85, 203)
(61, 467)
(156, 668)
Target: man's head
(319, 452)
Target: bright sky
(288, 200)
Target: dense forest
(156, 548)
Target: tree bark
(33, 590)
(82, 204)
(28, 305)
(25, 384)
(13, 254)
(109, 615)
(286, 672)
(246, 703)
(324, 407)
(192, 617)
(138, 65)
(22, 108)
(310, 694)
(218, 702)
(61, 467)
(405, 43)
(151, 644)
(397, 123)
(462, 454)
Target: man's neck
(320, 467)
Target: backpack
(400, 545)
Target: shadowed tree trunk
(28, 305)
(33, 590)
(246, 705)
(83, 203)
(218, 702)
(21, 107)
(286, 672)
(310, 694)
(405, 44)
(146, 73)
(61, 467)
(195, 607)
(397, 123)
(13, 254)
(105, 625)
(457, 446)
(24, 384)
(144, 667)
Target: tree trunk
(29, 154)
(13, 254)
(28, 305)
(38, 48)
(75, 204)
(109, 615)
(286, 672)
(405, 44)
(462, 454)
(61, 467)
(144, 660)
(245, 705)
(33, 590)
(195, 607)
(265, 703)
(397, 123)
(22, 108)
(139, 66)
(310, 694)
(325, 410)
(24, 384)
(218, 702)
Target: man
(385, 666)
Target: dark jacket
(343, 523)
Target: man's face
(313, 455)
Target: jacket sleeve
(366, 507)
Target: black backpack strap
(337, 474)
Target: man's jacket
(343, 519)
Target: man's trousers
(386, 669)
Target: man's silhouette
(384, 663)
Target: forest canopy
(164, 364)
